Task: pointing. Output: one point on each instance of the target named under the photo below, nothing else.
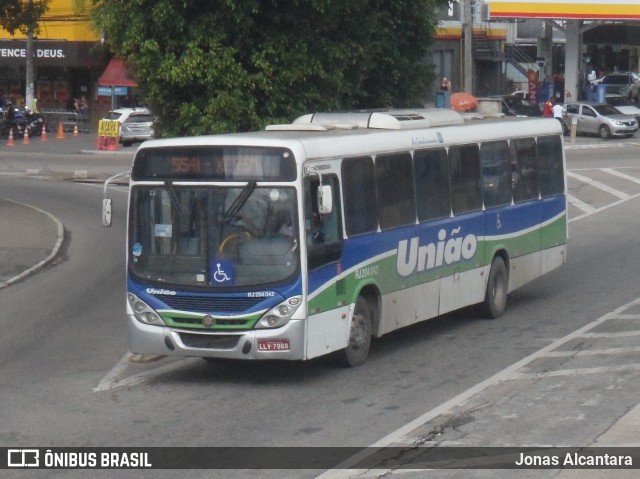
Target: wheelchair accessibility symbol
(221, 272)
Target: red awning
(116, 74)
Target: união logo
(448, 250)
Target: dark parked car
(515, 105)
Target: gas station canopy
(573, 14)
(566, 9)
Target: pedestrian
(558, 110)
(445, 85)
(83, 104)
(547, 111)
(558, 114)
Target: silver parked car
(600, 119)
(136, 124)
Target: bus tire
(357, 350)
(495, 299)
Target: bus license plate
(273, 345)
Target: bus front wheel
(357, 350)
(495, 300)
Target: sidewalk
(70, 144)
(29, 239)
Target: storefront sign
(117, 91)
(50, 53)
(39, 53)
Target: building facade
(68, 59)
(511, 38)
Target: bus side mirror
(106, 212)
(106, 202)
(325, 199)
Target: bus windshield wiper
(175, 202)
(238, 203)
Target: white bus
(313, 237)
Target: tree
(214, 66)
(22, 15)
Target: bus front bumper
(286, 342)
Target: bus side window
(551, 174)
(359, 196)
(525, 169)
(496, 173)
(323, 232)
(396, 206)
(431, 172)
(466, 185)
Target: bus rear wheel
(357, 350)
(495, 300)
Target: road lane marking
(577, 372)
(619, 174)
(593, 352)
(597, 184)
(581, 205)
(111, 381)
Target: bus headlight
(279, 315)
(143, 312)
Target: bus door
(326, 331)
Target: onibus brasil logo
(412, 257)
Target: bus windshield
(213, 236)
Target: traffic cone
(75, 130)
(60, 131)
(25, 138)
(10, 140)
(43, 136)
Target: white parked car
(623, 105)
(626, 84)
(136, 124)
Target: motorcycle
(22, 122)
(18, 124)
(35, 123)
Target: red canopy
(116, 74)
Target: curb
(48, 259)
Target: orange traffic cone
(10, 142)
(25, 138)
(60, 131)
(75, 130)
(43, 136)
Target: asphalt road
(66, 379)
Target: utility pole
(29, 75)
(29, 93)
(467, 29)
